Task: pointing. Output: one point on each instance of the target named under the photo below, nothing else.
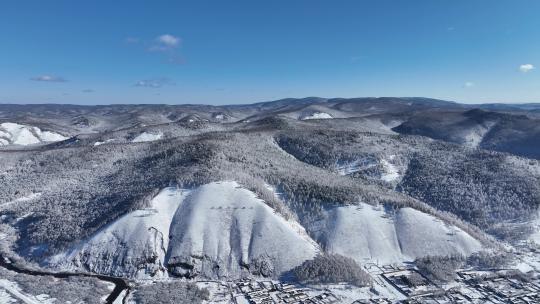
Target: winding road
(120, 284)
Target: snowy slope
(223, 230)
(368, 233)
(17, 134)
(144, 137)
(194, 232)
(135, 245)
(389, 172)
(316, 115)
(535, 224)
(421, 234)
(474, 136)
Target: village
(515, 282)
(393, 284)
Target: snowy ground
(10, 293)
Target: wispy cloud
(165, 42)
(132, 40)
(468, 84)
(355, 59)
(48, 78)
(88, 91)
(169, 40)
(154, 83)
(524, 68)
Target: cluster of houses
(403, 284)
(268, 292)
(487, 286)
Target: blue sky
(229, 52)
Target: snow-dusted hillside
(17, 134)
(366, 233)
(218, 229)
(135, 245)
(223, 230)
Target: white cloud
(468, 84)
(169, 40)
(48, 78)
(526, 67)
(165, 42)
(154, 83)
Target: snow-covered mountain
(368, 233)
(222, 230)
(216, 230)
(135, 245)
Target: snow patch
(316, 115)
(6, 298)
(21, 199)
(535, 237)
(391, 172)
(99, 143)
(17, 134)
(347, 168)
(145, 136)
